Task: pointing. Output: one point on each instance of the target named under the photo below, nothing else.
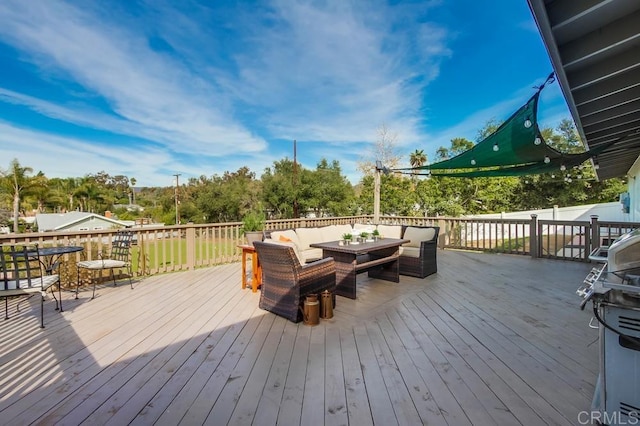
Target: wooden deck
(490, 339)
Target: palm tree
(68, 187)
(41, 192)
(17, 183)
(90, 194)
(133, 190)
(417, 159)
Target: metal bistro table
(53, 255)
(50, 259)
(379, 258)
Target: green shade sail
(516, 148)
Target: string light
(527, 123)
(537, 141)
(547, 160)
(563, 167)
(473, 161)
(496, 147)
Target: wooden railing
(184, 247)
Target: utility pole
(376, 191)
(177, 176)
(296, 213)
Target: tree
(279, 192)
(17, 183)
(90, 194)
(326, 190)
(384, 150)
(63, 193)
(396, 196)
(41, 192)
(225, 198)
(458, 146)
(133, 182)
(417, 159)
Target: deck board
(489, 339)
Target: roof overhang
(594, 46)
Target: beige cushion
(410, 251)
(287, 244)
(101, 264)
(417, 235)
(390, 231)
(308, 236)
(21, 286)
(335, 232)
(310, 254)
(282, 236)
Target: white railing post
(191, 247)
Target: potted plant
(347, 238)
(376, 235)
(253, 226)
(364, 235)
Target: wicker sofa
(286, 282)
(418, 258)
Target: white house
(76, 221)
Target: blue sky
(151, 88)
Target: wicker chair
(426, 263)
(285, 282)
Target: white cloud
(69, 157)
(153, 91)
(335, 72)
(208, 91)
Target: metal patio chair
(119, 257)
(23, 274)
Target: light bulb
(563, 167)
(537, 141)
(496, 147)
(579, 176)
(527, 123)
(569, 180)
(553, 176)
(547, 160)
(473, 161)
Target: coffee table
(380, 259)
